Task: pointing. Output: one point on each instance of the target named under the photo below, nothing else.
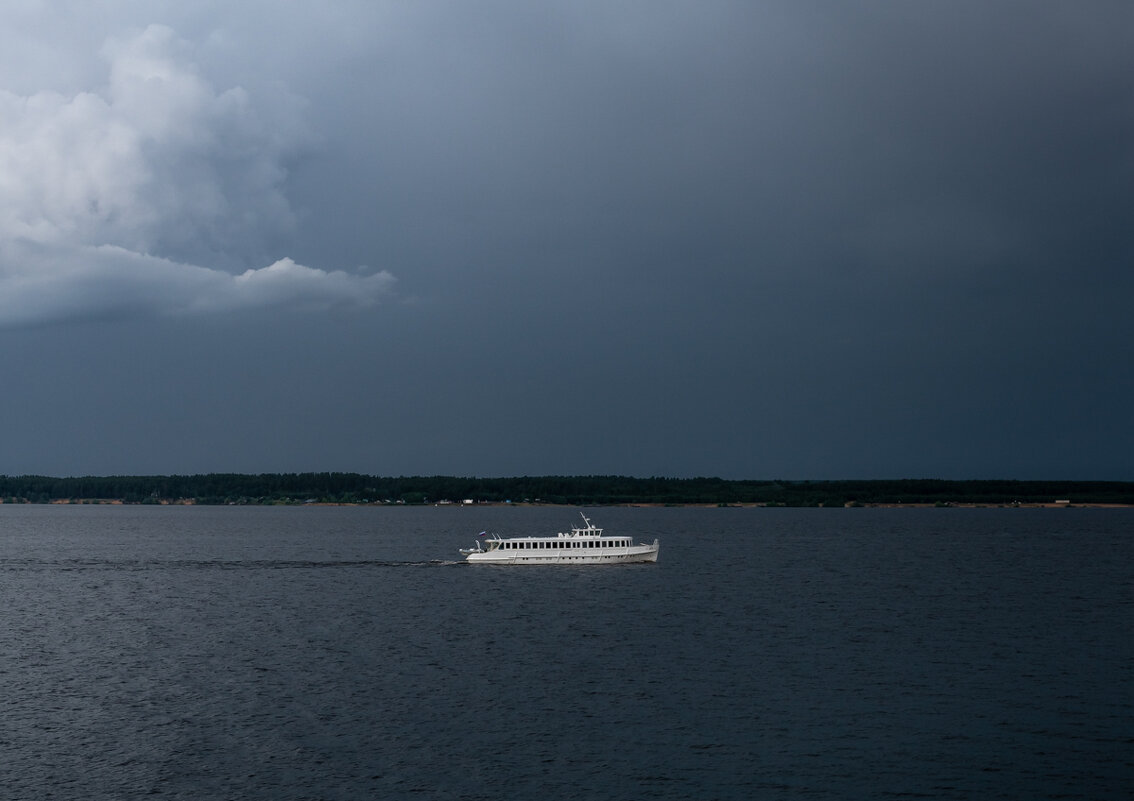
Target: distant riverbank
(643, 505)
(298, 489)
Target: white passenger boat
(584, 545)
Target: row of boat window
(569, 544)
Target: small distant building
(1063, 503)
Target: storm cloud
(748, 239)
(138, 200)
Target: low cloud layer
(156, 194)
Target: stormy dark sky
(752, 240)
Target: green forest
(355, 488)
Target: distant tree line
(298, 488)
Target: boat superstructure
(583, 545)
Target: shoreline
(628, 505)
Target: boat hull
(590, 556)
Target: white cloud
(148, 195)
(46, 282)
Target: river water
(344, 653)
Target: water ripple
(207, 564)
(770, 654)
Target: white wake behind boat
(584, 545)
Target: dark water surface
(340, 653)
